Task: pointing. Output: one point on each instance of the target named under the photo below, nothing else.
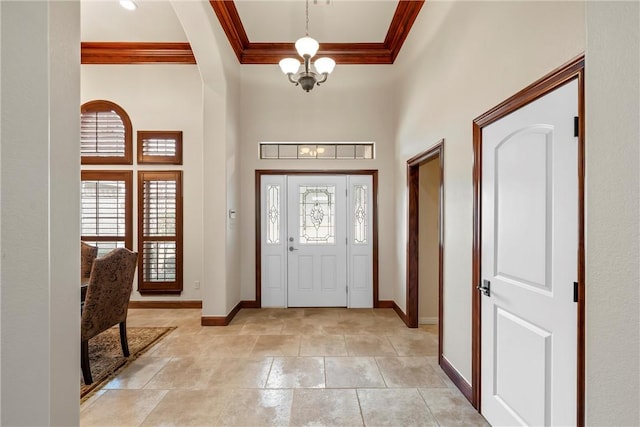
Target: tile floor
(283, 367)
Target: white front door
(317, 241)
(529, 262)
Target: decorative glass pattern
(360, 214)
(317, 214)
(273, 214)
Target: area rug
(105, 354)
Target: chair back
(108, 292)
(87, 254)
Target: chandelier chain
(307, 13)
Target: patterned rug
(105, 354)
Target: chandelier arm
(292, 80)
(324, 78)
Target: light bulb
(324, 65)
(307, 46)
(289, 65)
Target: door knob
(485, 288)
(291, 249)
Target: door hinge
(346, 241)
(347, 289)
(346, 192)
(575, 291)
(576, 126)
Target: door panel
(317, 256)
(529, 255)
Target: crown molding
(249, 52)
(136, 53)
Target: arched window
(105, 134)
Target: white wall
(613, 215)
(219, 72)
(161, 97)
(40, 309)
(428, 241)
(355, 104)
(461, 59)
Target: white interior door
(529, 257)
(317, 241)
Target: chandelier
(307, 47)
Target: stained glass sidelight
(317, 214)
(360, 214)
(273, 214)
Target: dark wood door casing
(572, 70)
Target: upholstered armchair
(87, 254)
(107, 301)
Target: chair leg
(123, 339)
(84, 362)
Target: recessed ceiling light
(128, 4)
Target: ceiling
(259, 31)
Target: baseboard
(400, 313)
(385, 304)
(225, 320)
(453, 374)
(165, 304)
(428, 321)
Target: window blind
(160, 231)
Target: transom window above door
(320, 151)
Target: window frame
(167, 287)
(101, 105)
(127, 177)
(159, 160)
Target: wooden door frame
(413, 220)
(570, 71)
(258, 224)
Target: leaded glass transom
(273, 214)
(360, 209)
(317, 214)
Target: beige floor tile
(323, 345)
(296, 372)
(416, 345)
(276, 345)
(217, 376)
(451, 408)
(183, 372)
(271, 327)
(409, 372)
(394, 407)
(187, 408)
(302, 326)
(325, 407)
(121, 408)
(209, 331)
(257, 408)
(138, 373)
(352, 372)
(179, 345)
(240, 373)
(285, 313)
(230, 345)
(91, 399)
(368, 345)
(325, 315)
